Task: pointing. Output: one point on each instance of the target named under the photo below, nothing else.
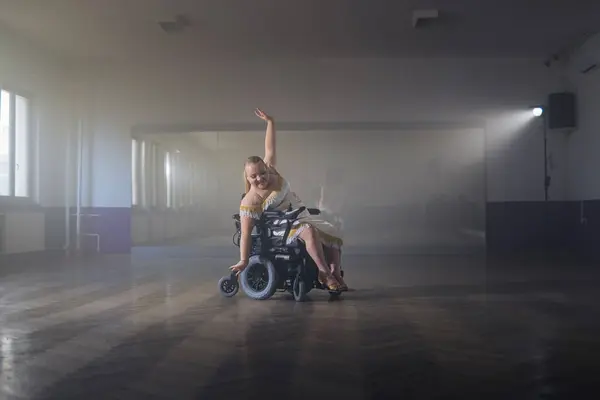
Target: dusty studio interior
(449, 145)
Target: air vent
(178, 25)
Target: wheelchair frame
(274, 265)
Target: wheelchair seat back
(271, 232)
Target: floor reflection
(415, 327)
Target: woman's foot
(343, 286)
(330, 282)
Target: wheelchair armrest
(272, 215)
(314, 211)
(293, 215)
(287, 215)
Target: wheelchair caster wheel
(228, 286)
(299, 289)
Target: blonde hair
(250, 160)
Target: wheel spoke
(258, 277)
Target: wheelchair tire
(228, 286)
(299, 289)
(259, 279)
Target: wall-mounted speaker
(562, 111)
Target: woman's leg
(311, 239)
(334, 257)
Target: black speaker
(561, 110)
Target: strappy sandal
(342, 284)
(329, 282)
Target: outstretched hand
(239, 267)
(262, 115)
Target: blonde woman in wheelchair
(266, 190)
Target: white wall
(23, 233)
(584, 144)
(413, 189)
(344, 90)
(27, 68)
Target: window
(168, 179)
(134, 172)
(142, 165)
(5, 144)
(146, 184)
(15, 117)
(153, 175)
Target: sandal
(343, 286)
(329, 282)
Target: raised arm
(270, 142)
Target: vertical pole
(546, 238)
(546, 177)
(68, 193)
(79, 178)
(12, 143)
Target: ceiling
(117, 30)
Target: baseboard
(32, 257)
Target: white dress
(280, 199)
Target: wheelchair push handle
(293, 215)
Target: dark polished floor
(415, 327)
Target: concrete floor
(154, 326)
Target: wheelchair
(274, 265)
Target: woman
(267, 190)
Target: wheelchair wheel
(228, 286)
(259, 279)
(299, 289)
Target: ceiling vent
(178, 25)
(422, 17)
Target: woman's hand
(239, 267)
(262, 115)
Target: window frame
(32, 191)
